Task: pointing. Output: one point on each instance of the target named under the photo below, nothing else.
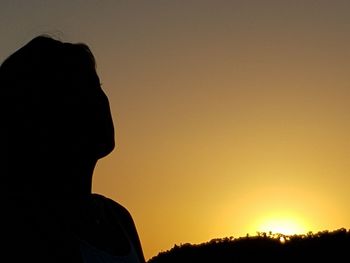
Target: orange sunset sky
(231, 116)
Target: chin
(104, 149)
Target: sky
(231, 117)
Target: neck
(51, 179)
(78, 177)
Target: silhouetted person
(55, 125)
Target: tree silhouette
(331, 246)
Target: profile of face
(93, 120)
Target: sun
(282, 224)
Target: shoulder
(118, 213)
(112, 209)
(110, 204)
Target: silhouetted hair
(45, 67)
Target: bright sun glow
(282, 225)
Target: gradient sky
(231, 116)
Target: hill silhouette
(324, 246)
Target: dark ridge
(324, 246)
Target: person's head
(52, 104)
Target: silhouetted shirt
(113, 237)
(91, 254)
